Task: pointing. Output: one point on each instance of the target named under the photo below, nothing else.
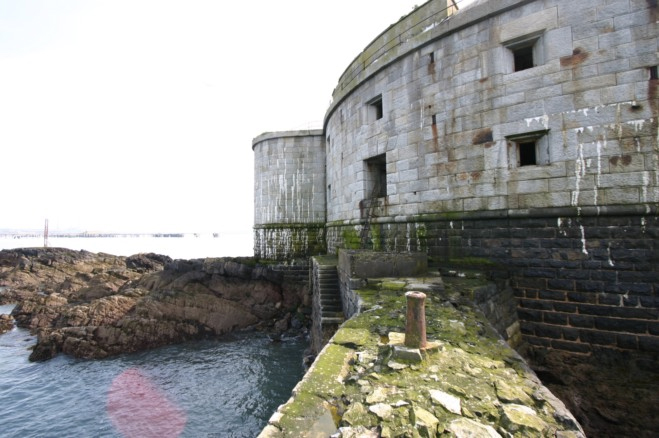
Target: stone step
(331, 320)
(331, 307)
(324, 298)
(333, 316)
(334, 285)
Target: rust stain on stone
(482, 136)
(475, 176)
(462, 176)
(578, 56)
(625, 160)
(435, 136)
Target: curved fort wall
(289, 194)
(518, 132)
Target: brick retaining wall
(585, 281)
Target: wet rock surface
(97, 305)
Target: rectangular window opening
(529, 149)
(378, 109)
(654, 73)
(527, 153)
(434, 119)
(523, 58)
(375, 109)
(376, 177)
(526, 51)
(432, 57)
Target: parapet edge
(286, 134)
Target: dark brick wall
(586, 280)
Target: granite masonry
(520, 133)
(520, 137)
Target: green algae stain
(351, 238)
(352, 337)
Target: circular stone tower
(289, 195)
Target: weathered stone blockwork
(289, 194)
(437, 140)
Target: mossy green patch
(352, 337)
(393, 285)
(351, 239)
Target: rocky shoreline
(92, 305)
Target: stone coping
(470, 383)
(286, 134)
(544, 212)
(425, 24)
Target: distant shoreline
(20, 235)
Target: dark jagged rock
(97, 305)
(147, 262)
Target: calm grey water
(225, 388)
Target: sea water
(214, 388)
(187, 247)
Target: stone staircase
(330, 295)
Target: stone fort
(520, 136)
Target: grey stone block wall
(453, 105)
(438, 97)
(289, 194)
(453, 111)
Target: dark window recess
(654, 74)
(375, 109)
(378, 109)
(523, 58)
(377, 177)
(434, 119)
(432, 57)
(527, 155)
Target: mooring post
(415, 327)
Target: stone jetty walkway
(469, 384)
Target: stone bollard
(415, 327)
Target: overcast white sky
(138, 115)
